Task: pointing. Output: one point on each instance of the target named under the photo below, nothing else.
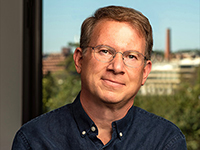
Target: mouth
(113, 83)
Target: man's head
(122, 14)
(111, 57)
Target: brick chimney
(168, 46)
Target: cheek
(90, 64)
(90, 68)
(136, 76)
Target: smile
(113, 83)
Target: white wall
(11, 21)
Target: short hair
(121, 14)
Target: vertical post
(168, 46)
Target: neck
(104, 114)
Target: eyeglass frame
(113, 56)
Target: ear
(78, 55)
(146, 71)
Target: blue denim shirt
(70, 128)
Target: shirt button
(93, 128)
(120, 134)
(84, 132)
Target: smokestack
(167, 50)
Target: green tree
(49, 90)
(64, 86)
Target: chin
(112, 99)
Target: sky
(62, 21)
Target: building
(166, 77)
(55, 62)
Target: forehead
(119, 35)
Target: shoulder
(150, 118)
(50, 121)
(45, 129)
(158, 129)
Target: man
(114, 61)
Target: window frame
(32, 60)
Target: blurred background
(37, 72)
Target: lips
(113, 83)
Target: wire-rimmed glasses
(130, 58)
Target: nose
(117, 64)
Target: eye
(105, 51)
(132, 57)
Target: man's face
(112, 82)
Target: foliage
(73, 44)
(49, 89)
(62, 87)
(188, 51)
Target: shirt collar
(82, 119)
(123, 124)
(85, 123)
